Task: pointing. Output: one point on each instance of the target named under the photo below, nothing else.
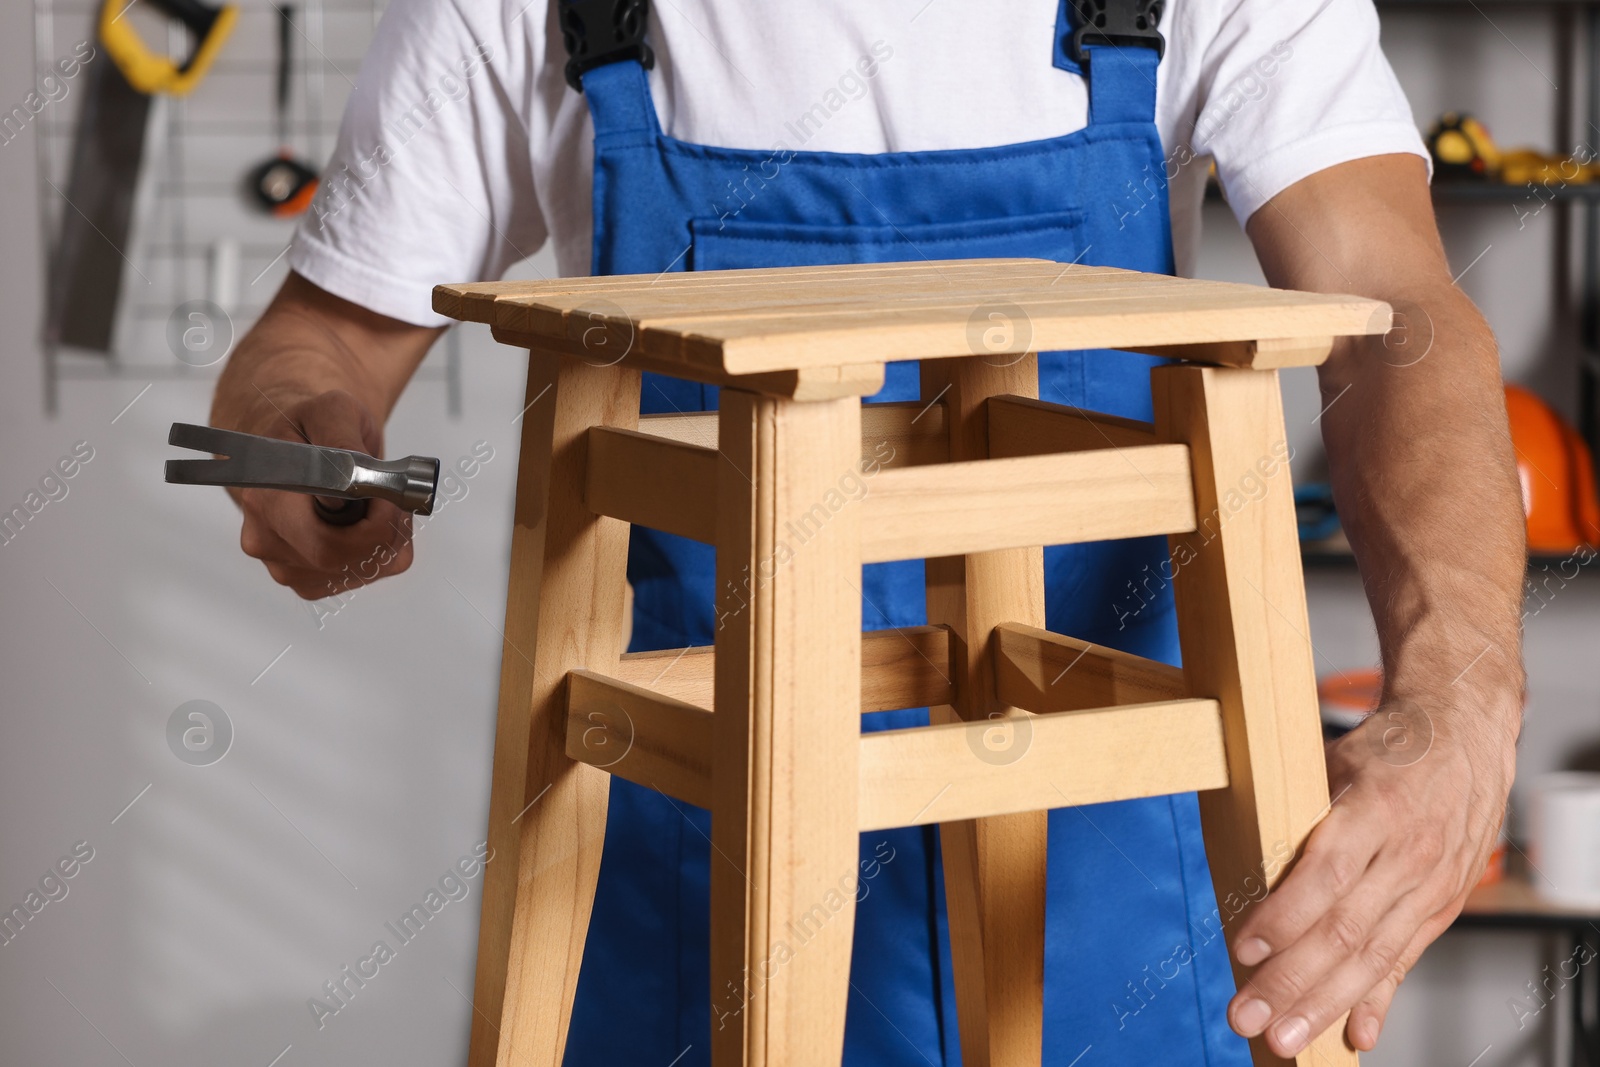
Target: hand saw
(108, 149)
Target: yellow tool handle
(152, 73)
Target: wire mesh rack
(195, 234)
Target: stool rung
(664, 475)
(653, 481)
(686, 674)
(970, 770)
(904, 668)
(952, 509)
(1022, 426)
(924, 774)
(914, 432)
(1043, 672)
(650, 739)
(927, 509)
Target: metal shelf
(1498, 193)
(1323, 559)
(1459, 192)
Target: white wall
(227, 894)
(218, 903)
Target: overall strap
(1116, 46)
(1122, 84)
(606, 61)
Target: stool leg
(547, 813)
(784, 822)
(1246, 642)
(994, 868)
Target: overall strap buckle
(597, 32)
(1117, 23)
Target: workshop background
(215, 892)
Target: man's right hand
(320, 365)
(313, 557)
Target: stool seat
(763, 729)
(815, 322)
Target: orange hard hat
(1557, 475)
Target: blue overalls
(1135, 969)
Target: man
(781, 134)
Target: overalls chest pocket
(724, 243)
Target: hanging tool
(108, 150)
(150, 72)
(269, 463)
(1462, 148)
(284, 185)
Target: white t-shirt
(463, 150)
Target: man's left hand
(1419, 793)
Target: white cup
(1566, 838)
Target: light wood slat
(678, 327)
(1268, 354)
(753, 345)
(477, 297)
(955, 508)
(495, 303)
(686, 674)
(679, 310)
(691, 427)
(994, 868)
(715, 294)
(1020, 426)
(966, 770)
(904, 668)
(1043, 672)
(919, 775)
(895, 434)
(539, 891)
(742, 323)
(806, 383)
(653, 481)
(925, 774)
(1243, 626)
(784, 767)
(914, 434)
(475, 302)
(633, 733)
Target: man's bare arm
(1425, 483)
(334, 370)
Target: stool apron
(1135, 965)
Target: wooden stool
(976, 477)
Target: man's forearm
(308, 343)
(1426, 486)
(1414, 421)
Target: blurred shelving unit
(1316, 557)
(191, 192)
(1512, 905)
(1580, 28)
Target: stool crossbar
(797, 484)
